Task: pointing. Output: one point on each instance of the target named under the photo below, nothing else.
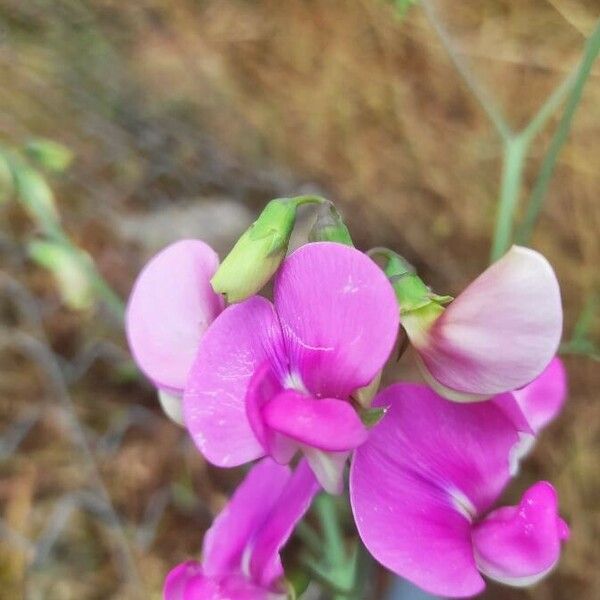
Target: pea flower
(240, 554)
(170, 307)
(274, 379)
(421, 490)
(498, 335)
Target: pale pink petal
(242, 338)
(542, 399)
(326, 424)
(243, 517)
(171, 305)
(290, 507)
(424, 473)
(501, 332)
(518, 545)
(339, 317)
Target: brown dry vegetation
(176, 109)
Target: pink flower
(274, 379)
(422, 486)
(240, 554)
(170, 307)
(497, 336)
(532, 407)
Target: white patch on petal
(494, 573)
(519, 451)
(462, 504)
(171, 406)
(328, 468)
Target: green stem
(560, 137)
(512, 176)
(548, 108)
(332, 532)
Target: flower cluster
(292, 382)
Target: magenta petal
(501, 332)
(171, 305)
(241, 339)
(518, 545)
(292, 504)
(427, 468)
(339, 317)
(327, 423)
(542, 399)
(244, 515)
(187, 582)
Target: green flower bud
(329, 227)
(49, 154)
(70, 267)
(258, 253)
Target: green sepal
(330, 227)
(371, 416)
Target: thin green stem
(487, 103)
(332, 532)
(549, 107)
(542, 183)
(512, 176)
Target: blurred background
(181, 119)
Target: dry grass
(164, 102)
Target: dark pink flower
(170, 307)
(423, 484)
(240, 553)
(274, 379)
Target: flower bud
(259, 252)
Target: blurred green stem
(515, 150)
(560, 137)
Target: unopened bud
(258, 253)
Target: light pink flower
(423, 484)
(274, 379)
(240, 554)
(498, 335)
(170, 307)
